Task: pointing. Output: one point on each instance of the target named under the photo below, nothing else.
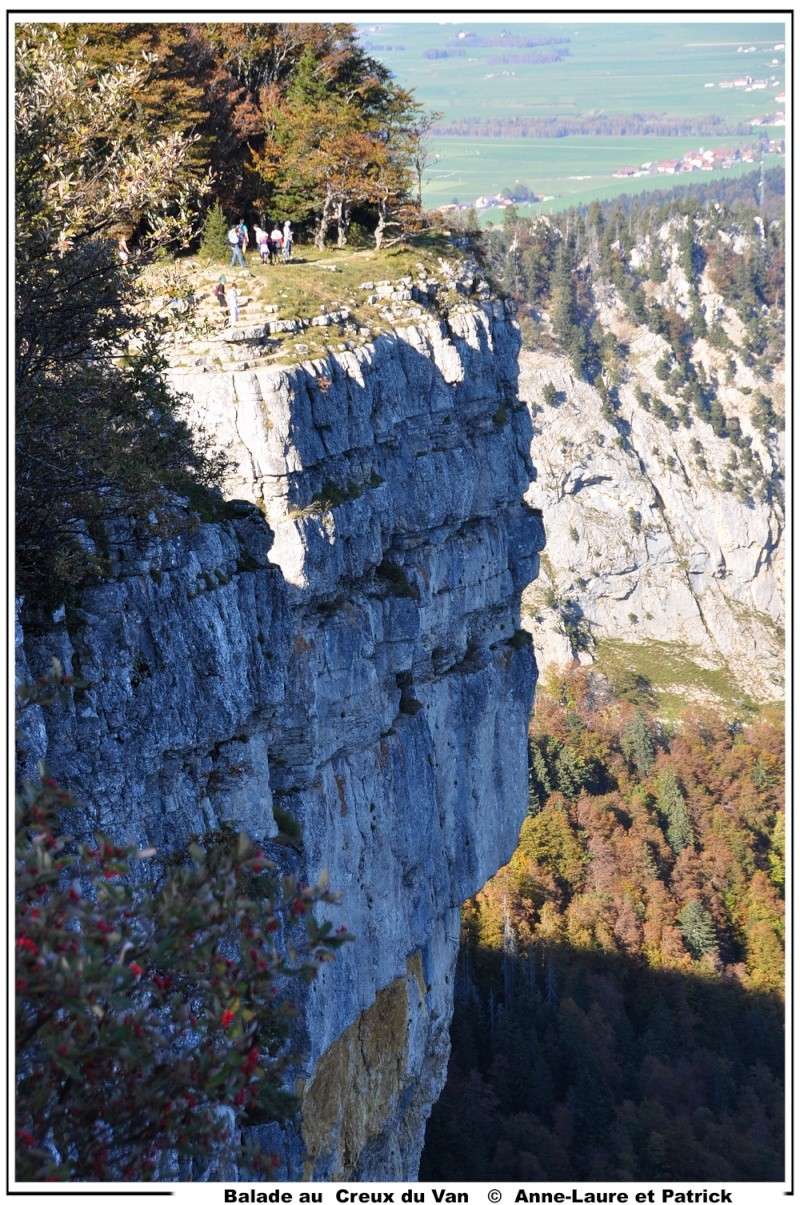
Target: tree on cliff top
(340, 136)
(98, 431)
(226, 82)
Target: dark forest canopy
(618, 1007)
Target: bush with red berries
(150, 1027)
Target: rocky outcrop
(658, 532)
(357, 660)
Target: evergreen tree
(686, 251)
(656, 270)
(672, 806)
(540, 783)
(716, 416)
(562, 293)
(214, 243)
(697, 929)
(637, 744)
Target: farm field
(603, 68)
(468, 168)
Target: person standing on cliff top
(237, 259)
(262, 242)
(288, 239)
(232, 300)
(276, 243)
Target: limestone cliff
(353, 655)
(660, 533)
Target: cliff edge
(352, 656)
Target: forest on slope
(618, 1010)
(556, 269)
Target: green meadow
(566, 171)
(607, 68)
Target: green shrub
(288, 827)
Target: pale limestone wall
(358, 663)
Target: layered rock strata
(352, 655)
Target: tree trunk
(379, 229)
(326, 217)
(342, 222)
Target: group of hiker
(273, 246)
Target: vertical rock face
(643, 546)
(364, 671)
(662, 529)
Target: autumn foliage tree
(338, 140)
(246, 92)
